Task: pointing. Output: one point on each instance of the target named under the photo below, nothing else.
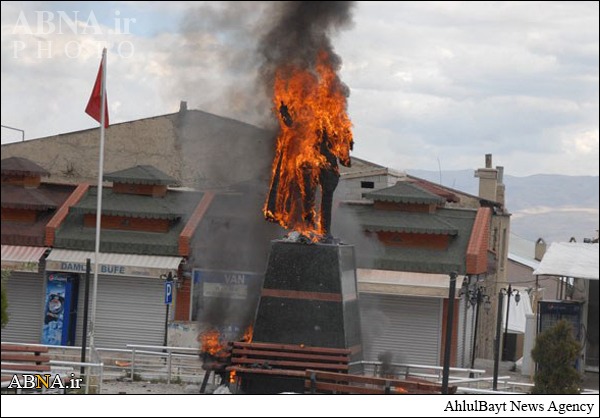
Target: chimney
(500, 187)
(540, 249)
(488, 180)
(182, 106)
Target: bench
(327, 382)
(275, 368)
(24, 359)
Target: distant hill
(554, 207)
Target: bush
(556, 351)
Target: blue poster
(54, 312)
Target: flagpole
(99, 201)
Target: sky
(433, 85)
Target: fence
(468, 380)
(136, 362)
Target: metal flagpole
(99, 201)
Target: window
(367, 184)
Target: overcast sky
(433, 85)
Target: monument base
(310, 297)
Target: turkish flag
(93, 106)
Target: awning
(21, 258)
(113, 264)
(570, 259)
(404, 283)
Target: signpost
(168, 293)
(168, 301)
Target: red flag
(93, 106)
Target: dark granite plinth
(309, 297)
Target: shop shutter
(25, 292)
(408, 326)
(129, 310)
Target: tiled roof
(22, 166)
(141, 174)
(33, 234)
(404, 192)
(130, 205)
(18, 197)
(435, 189)
(479, 241)
(372, 254)
(398, 221)
(176, 204)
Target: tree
(556, 351)
(5, 274)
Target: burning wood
(214, 349)
(315, 131)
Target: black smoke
(302, 30)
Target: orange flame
(232, 376)
(211, 343)
(316, 101)
(247, 338)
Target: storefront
(130, 297)
(402, 313)
(25, 293)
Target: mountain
(551, 206)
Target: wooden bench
(327, 382)
(275, 368)
(24, 359)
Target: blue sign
(168, 292)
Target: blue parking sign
(168, 293)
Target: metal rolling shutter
(25, 293)
(129, 310)
(407, 326)
(464, 342)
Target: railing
(92, 377)
(64, 362)
(468, 380)
(417, 370)
(180, 355)
(136, 362)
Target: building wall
(199, 149)
(351, 188)
(495, 280)
(73, 157)
(523, 276)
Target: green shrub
(556, 351)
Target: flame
(247, 338)
(232, 376)
(316, 101)
(211, 343)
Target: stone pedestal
(310, 297)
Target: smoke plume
(230, 51)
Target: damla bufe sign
(107, 269)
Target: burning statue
(315, 132)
